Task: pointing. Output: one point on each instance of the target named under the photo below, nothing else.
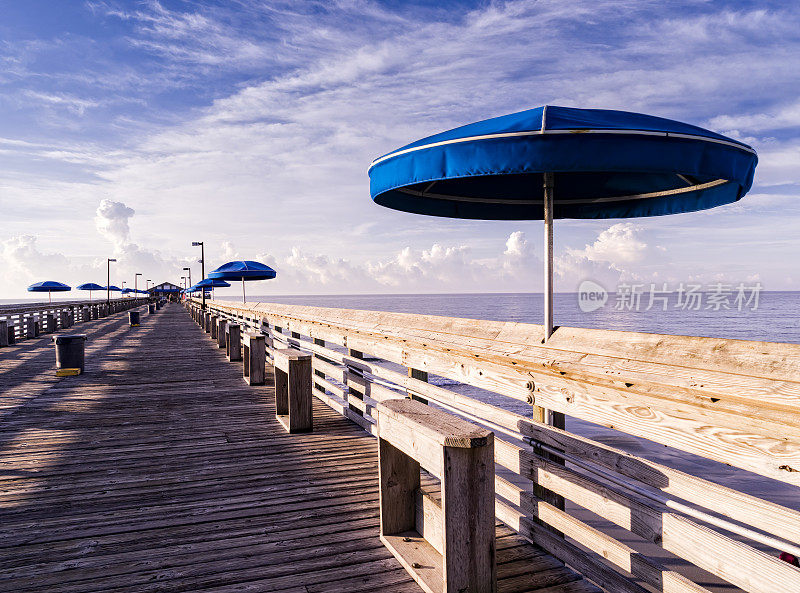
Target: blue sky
(129, 129)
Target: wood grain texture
(160, 470)
(732, 401)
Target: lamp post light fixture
(203, 268)
(108, 280)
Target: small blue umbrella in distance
(195, 288)
(49, 286)
(113, 288)
(90, 286)
(243, 270)
(212, 283)
(560, 162)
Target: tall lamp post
(189, 270)
(147, 286)
(108, 281)
(184, 282)
(203, 268)
(136, 285)
(123, 287)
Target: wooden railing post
(254, 356)
(357, 375)
(556, 419)
(31, 327)
(458, 553)
(214, 327)
(222, 331)
(233, 341)
(4, 333)
(319, 342)
(420, 376)
(293, 407)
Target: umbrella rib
(655, 194)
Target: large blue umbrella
(49, 286)
(90, 286)
(244, 271)
(559, 162)
(113, 288)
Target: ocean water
(776, 317)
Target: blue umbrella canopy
(49, 286)
(212, 282)
(113, 288)
(244, 271)
(127, 290)
(90, 286)
(605, 164)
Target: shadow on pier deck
(159, 469)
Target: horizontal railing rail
(730, 401)
(17, 315)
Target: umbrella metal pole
(548, 255)
(539, 413)
(244, 299)
(203, 271)
(549, 416)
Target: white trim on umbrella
(544, 132)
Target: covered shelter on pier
(166, 290)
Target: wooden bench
(293, 407)
(448, 548)
(254, 355)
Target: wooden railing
(733, 402)
(16, 315)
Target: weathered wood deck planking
(161, 470)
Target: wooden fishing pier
(160, 469)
